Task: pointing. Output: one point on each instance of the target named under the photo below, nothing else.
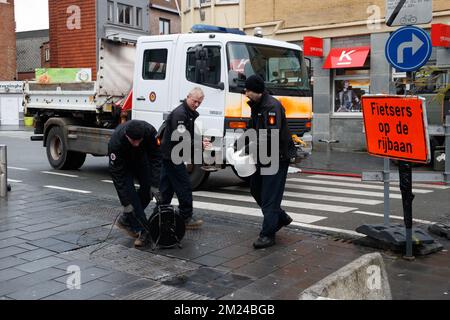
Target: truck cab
(168, 67)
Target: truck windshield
(282, 69)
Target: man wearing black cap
(134, 153)
(268, 113)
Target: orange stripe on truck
(295, 107)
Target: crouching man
(134, 153)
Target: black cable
(107, 236)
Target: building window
(139, 17)
(164, 26)
(155, 62)
(125, 14)
(349, 86)
(110, 11)
(205, 70)
(47, 54)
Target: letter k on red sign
(346, 57)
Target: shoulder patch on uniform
(113, 156)
(181, 128)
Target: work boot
(193, 223)
(142, 240)
(124, 223)
(263, 242)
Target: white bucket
(244, 165)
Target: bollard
(3, 172)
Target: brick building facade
(73, 34)
(8, 41)
(164, 17)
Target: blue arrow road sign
(408, 48)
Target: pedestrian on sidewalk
(135, 154)
(267, 189)
(174, 176)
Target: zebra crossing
(316, 202)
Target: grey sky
(31, 15)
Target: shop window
(155, 62)
(350, 84)
(348, 94)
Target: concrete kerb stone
(363, 279)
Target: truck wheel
(57, 154)
(75, 160)
(245, 179)
(197, 175)
(56, 148)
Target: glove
(154, 191)
(128, 209)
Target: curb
(331, 173)
(363, 279)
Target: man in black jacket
(174, 175)
(268, 188)
(134, 153)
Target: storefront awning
(346, 57)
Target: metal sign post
(3, 172)
(386, 179)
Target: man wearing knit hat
(134, 153)
(267, 113)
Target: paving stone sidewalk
(45, 232)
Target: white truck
(75, 119)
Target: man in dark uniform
(174, 176)
(267, 189)
(134, 154)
